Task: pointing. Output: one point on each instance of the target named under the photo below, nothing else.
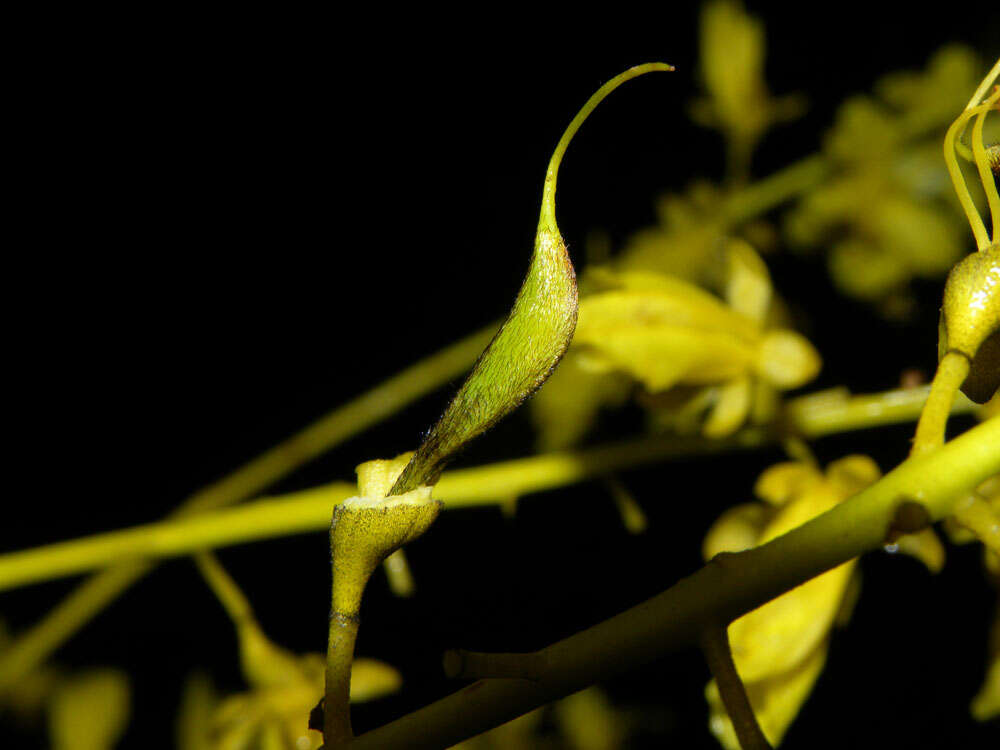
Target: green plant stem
(951, 373)
(807, 416)
(834, 411)
(719, 656)
(758, 198)
(724, 589)
(337, 731)
(310, 510)
(229, 594)
(385, 399)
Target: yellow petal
(924, 546)
(372, 679)
(263, 662)
(732, 62)
(780, 483)
(852, 474)
(787, 359)
(89, 712)
(589, 721)
(986, 703)
(778, 635)
(647, 299)
(194, 720)
(272, 737)
(737, 529)
(730, 410)
(398, 574)
(565, 408)
(748, 287)
(660, 356)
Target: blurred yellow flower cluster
(86, 710)
(686, 239)
(887, 213)
(690, 352)
(982, 512)
(274, 713)
(780, 648)
(737, 102)
(284, 687)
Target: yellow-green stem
(812, 416)
(89, 598)
(233, 600)
(752, 200)
(830, 412)
(983, 164)
(337, 730)
(958, 179)
(951, 373)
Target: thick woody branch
(726, 588)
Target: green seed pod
(532, 340)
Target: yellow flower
(685, 241)
(780, 648)
(732, 70)
(88, 710)
(665, 333)
(566, 407)
(284, 688)
(887, 212)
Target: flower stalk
(719, 656)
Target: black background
(236, 223)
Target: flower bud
(970, 320)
